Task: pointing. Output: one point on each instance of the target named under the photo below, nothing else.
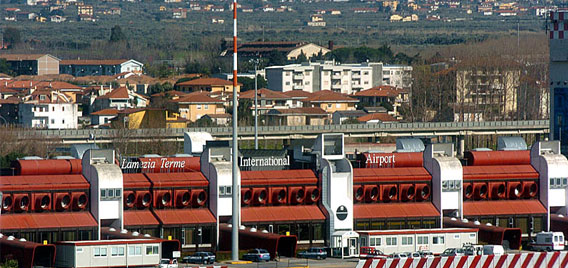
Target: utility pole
(255, 62)
(236, 190)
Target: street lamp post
(255, 62)
(236, 210)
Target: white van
(548, 241)
(493, 250)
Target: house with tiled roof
(99, 67)
(387, 96)
(297, 116)
(331, 101)
(377, 118)
(120, 98)
(197, 104)
(209, 84)
(103, 117)
(297, 97)
(267, 99)
(48, 109)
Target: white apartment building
(399, 76)
(48, 115)
(325, 75)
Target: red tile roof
(118, 93)
(377, 116)
(206, 82)
(380, 91)
(298, 94)
(106, 112)
(330, 96)
(302, 111)
(170, 93)
(57, 85)
(197, 97)
(264, 93)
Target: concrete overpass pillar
(461, 146)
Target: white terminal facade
(343, 78)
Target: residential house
(313, 116)
(73, 92)
(57, 18)
(387, 96)
(179, 13)
(325, 75)
(85, 10)
(103, 117)
(339, 117)
(266, 99)
(120, 98)
(32, 64)
(217, 21)
(195, 105)
(99, 67)
(139, 118)
(297, 98)
(207, 84)
(316, 20)
(365, 10)
(331, 101)
(291, 49)
(48, 109)
(376, 118)
(395, 17)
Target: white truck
(548, 241)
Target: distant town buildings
(291, 49)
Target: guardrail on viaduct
(283, 132)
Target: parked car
(200, 257)
(167, 263)
(493, 250)
(426, 254)
(371, 253)
(257, 254)
(399, 255)
(453, 252)
(313, 253)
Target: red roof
(139, 218)
(47, 220)
(197, 97)
(395, 210)
(302, 111)
(361, 175)
(499, 172)
(57, 85)
(170, 93)
(298, 94)
(184, 216)
(43, 182)
(330, 96)
(135, 180)
(206, 82)
(383, 117)
(119, 93)
(111, 111)
(380, 91)
(264, 93)
(278, 177)
(503, 207)
(186, 179)
(281, 214)
(485, 158)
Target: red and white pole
(236, 189)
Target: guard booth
(344, 244)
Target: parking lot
(295, 262)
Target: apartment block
(325, 75)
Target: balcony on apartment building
(298, 76)
(298, 87)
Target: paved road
(293, 262)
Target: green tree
(248, 83)
(116, 34)
(12, 36)
(5, 67)
(302, 57)
(276, 57)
